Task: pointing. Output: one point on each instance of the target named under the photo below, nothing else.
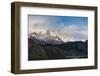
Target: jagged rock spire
(48, 32)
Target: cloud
(71, 32)
(74, 33)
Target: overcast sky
(68, 28)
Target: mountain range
(46, 38)
(50, 46)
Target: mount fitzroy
(50, 46)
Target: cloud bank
(67, 32)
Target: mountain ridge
(41, 50)
(46, 38)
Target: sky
(68, 28)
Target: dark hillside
(39, 50)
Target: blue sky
(69, 28)
(68, 20)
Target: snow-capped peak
(48, 37)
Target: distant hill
(44, 47)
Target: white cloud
(74, 33)
(66, 32)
